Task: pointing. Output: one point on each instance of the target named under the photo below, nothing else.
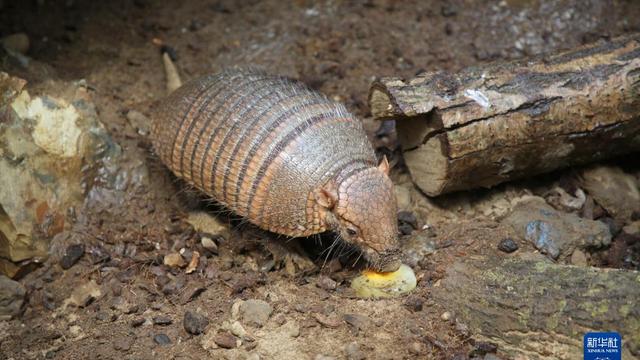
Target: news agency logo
(602, 346)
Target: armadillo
(281, 155)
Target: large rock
(11, 297)
(555, 233)
(54, 154)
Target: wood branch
(502, 121)
(541, 310)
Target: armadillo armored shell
(260, 145)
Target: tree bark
(502, 121)
(542, 310)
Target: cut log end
(504, 121)
(430, 163)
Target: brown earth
(337, 47)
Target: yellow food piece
(371, 284)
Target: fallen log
(540, 310)
(502, 121)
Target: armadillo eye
(352, 232)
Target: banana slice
(371, 284)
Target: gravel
(161, 339)
(508, 245)
(72, 255)
(194, 323)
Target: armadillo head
(363, 211)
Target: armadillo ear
(327, 196)
(384, 165)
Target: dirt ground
(337, 47)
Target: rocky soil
(141, 267)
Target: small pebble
(162, 320)
(353, 351)
(446, 316)
(48, 301)
(208, 243)
(106, 316)
(185, 253)
(407, 222)
(117, 303)
(123, 343)
(292, 329)
(174, 260)
(75, 331)
(409, 218)
(416, 348)
(238, 330)
(191, 293)
(325, 282)
(508, 245)
(162, 339)
(280, 319)
(255, 312)
(132, 309)
(137, 322)
(414, 303)
(360, 322)
(72, 255)
(328, 321)
(173, 286)
(483, 348)
(250, 345)
(211, 271)
(225, 340)
(195, 323)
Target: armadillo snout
(386, 261)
